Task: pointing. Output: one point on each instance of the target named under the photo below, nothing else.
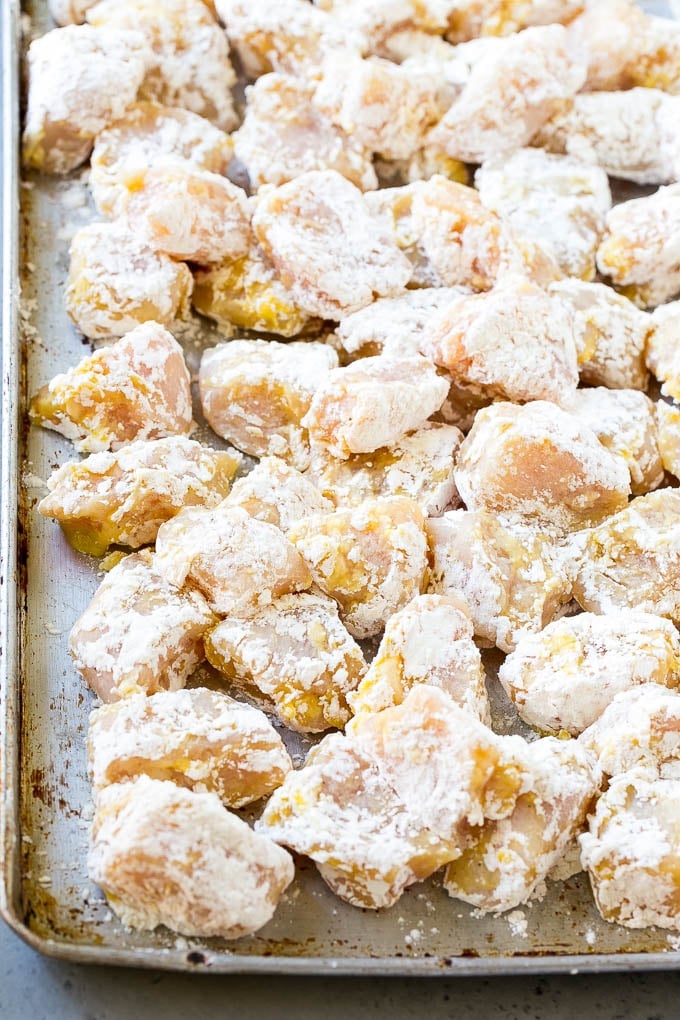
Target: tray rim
(11, 623)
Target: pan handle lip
(9, 464)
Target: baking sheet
(46, 804)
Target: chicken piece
(663, 349)
(294, 656)
(471, 18)
(427, 642)
(192, 68)
(557, 201)
(510, 576)
(515, 343)
(632, 852)
(291, 36)
(340, 811)
(668, 425)
(372, 559)
(564, 677)
(144, 136)
(247, 293)
(374, 22)
(447, 234)
(123, 498)
(139, 634)
(332, 254)
(632, 135)
(388, 804)
(625, 47)
(509, 859)
(236, 561)
(116, 282)
(395, 326)
(625, 423)
(385, 108)
(200, 739)
(450, 770)
(640, 726)
(373, 403)
(165, 855)
(420, 466)
(611, 335)
(79, 79)
(189, 214)
(632, 558)
(542, 464)
(255, 393)
(135, 389)
(284, 135)
(509, 96)
(278, 494)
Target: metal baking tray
(45, 894)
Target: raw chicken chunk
(471, 18)
(340, 811)
(447, 234)
(632, 558)
(328, 249)
(420, 466)
(296, 655)
(511, 576)
(509, 95)
(135, 389)
(139, 634)
(632, 852)
(640, 727)
(564, 677)
(632, 135)
(515, 342)
(123, 498)
(189, 214)
(192, 67)
(372, 559)
(284, 135)
(395, 326)
(663, 348)
(278, 494)
(427, 642)
(450, 770)
(79, 79)
(386, 805)
(290, 36)
(611, 334)
(146, 134)
(540, 463)
(256, 393)
(625, 422)
(248, 293)
(386, 109)
(373, 403)
(200, 739)
(557, 201)
(116, 281)
(165, 855)
(509, 859)
(625, 47)
(236, 561)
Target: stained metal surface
(46, 804)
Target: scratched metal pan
(45, 893)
